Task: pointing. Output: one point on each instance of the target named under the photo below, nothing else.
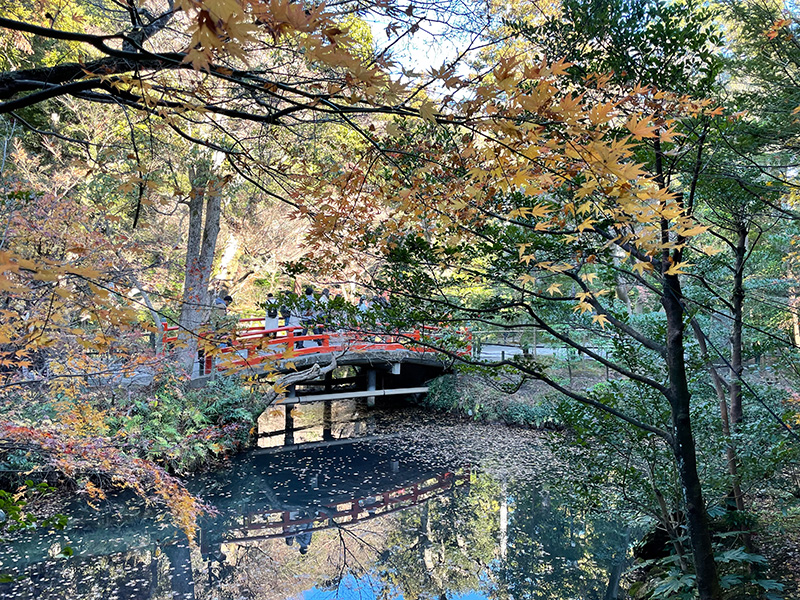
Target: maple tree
(532, 191)
(537, 196)
(202, 72)
(559, 189)
(168, 59)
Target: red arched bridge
(383, 364)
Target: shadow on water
(341, 501)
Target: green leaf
(770, 584)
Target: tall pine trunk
(205, 205)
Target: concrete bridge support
(371, 386)
(289, 427)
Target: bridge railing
(251, 345)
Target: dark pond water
(348, 503)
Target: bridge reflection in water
(337, 465)
(281, 524)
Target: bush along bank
(186, 429)
(166, 423)
(477, 398)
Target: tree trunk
(683, 445)
(730, 451)
(617, 569)
(794, 308)
(737, 303)
(205, 204)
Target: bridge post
(327, 421)
(371, 379)
(288, 432)
(180, 567)
(503, 520)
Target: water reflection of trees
(556, 552)
(272, 570)
(442, 547)
(431, 550)
(503, 540)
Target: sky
(366, 588)
(427, 48)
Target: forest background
(619, 176)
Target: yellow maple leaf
(520, 178)
(428, 112)
(641, 267)
(671, 211)
(709, 250)
(677, 268)
(554, 289)
(540, 210)
(697, 230)
(602, 319)
(640, 128)
(589, 277)
(600, 113)
(584, 307)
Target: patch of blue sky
(368, 587)
(424, 40)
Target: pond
(341, 501)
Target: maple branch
(697, 168)
(50, 91)
(260, 186)
(566, 339)
(198, 141)
(42, 132)
(603, 361)
(539, 375)
(98, 41)
(621, 325)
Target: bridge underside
(364, 374)
(377, 358)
